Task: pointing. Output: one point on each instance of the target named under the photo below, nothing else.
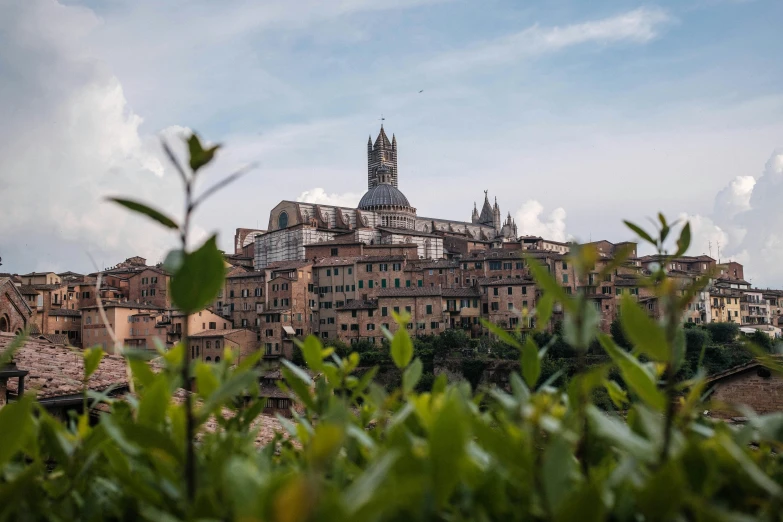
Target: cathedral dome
(383, 194)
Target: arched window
(217, 359)
(208, 359)
(282, 220)
(217, 343)
(4, 324)
(209, 344)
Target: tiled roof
(381, 259)
(506, 281)
(738, 369)
(27, 290)
(461, 292)
(55, 338)
(337, 261)
(125, 304)
(359, 305)
(416, 291)
(287, 265)
(439, 263)
(406, 232)
(56, 371)
(243, 275)
(218, 333)
(48, 287)
(64, 312)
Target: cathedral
(384, 216)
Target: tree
(723, 333)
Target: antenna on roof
(718, 251)
(709, 245)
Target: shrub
(722, 333)
(354, 452)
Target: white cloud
(67, 140)
(638, 26)
(530, 221)
(746, 222)
(321, 197)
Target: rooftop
(57, 371)
(410, 292)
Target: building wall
(763, 394)
(16, 316)
(149, 287)
(418, 312)
(242, 297)
(505, 303)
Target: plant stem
(190, 453)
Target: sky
(575, 115)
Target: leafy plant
(539, 449)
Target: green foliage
(723, 333)
(199, 279)
(544, 448)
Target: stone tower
(381, 154)
(496, 215)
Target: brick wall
(149, 287)
(763, 394)
(13, 310)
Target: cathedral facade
(384, 216)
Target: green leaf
(199, 156)
(618, 433)
(298, 372)
(311, 349)
(645, 334)
(174, 260)
(411, 376)
(685, 240)
(544, 311)
(616, 394)
(154, 402)
(448, 437)
(92, 358)
(141, 371)
(750, 468)
(141, 208)
(634, 374)
(401, 348)
(206, 381)
(547, 282)
(531, 364)
(229, 389)
(557, 468)
(15, 420)
(640, 232)
(200, 278)
(366, 485)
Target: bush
(723, 333)
(353, 452)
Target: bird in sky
(421, 91)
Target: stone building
(16, 315)
(751, 385)
(210, 345)
(384, 215)
(150, 286)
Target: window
(282, 220)
(353, 313)
(495, 291)
(519, 265)
(479, 265)
(511, 290)
(258, 292)
(408, 283)
(510, 306)
(420, 282)
(383, 283)
(565, 265)
(408, 309)
(430, 272)
(429, 309)
(217, 359)
(384, 311)
(231, 293)
(434, 325)
(495, 265)
(396, 283)
(396, 309)
(350, 270)
(368, 267)
(370, 313)
(213, 326)
(606, 290)
(336, 271)
(383, 267)
(495, 306)
(370, 326)
(565, 277)
(397, 266)
(421, 326)
(506, 266)
(334, 251)
(361, 284)
(618, 291)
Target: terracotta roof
(739, 369)
(439, 263)
(381, 259)
(125, 304)
(55, 338)
(218, 333)
(49, 287)
(64, 312)
(359, 305)
(242, 275)
(56, 371)
(461, 292)
(284, 265)
(28, 290)
(337, 261)
(506, 281)
(415, 291)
